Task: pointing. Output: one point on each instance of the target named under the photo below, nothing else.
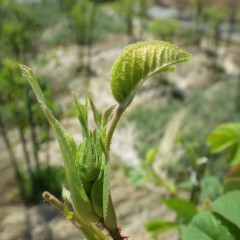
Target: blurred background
(71, 46)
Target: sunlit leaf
(140, 61)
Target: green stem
(200, 170)
(113, 125)
(90, 231)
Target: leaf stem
(113, 125)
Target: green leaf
(157, 226)
(106, 116)
(224, 136)
(205, 226)
(184, 209)
(96, 114)
(231, 185)
(234, 154)
(82, 113)
(68, 149)
(104, 122)
(109, 214)
(140, 61)
(150, 156)
(233, 229)
(228, 206)
(137, 177)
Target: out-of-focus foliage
(81, 14)
(18, 110)
(18, 28)
(226, 137)
(46, 178)
(165, 30)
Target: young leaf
(110, 218)
(140, 61)
(106, 116)
(96, 114)
(82, 113)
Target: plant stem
(114, 233)
(201, 166)
(113, 125)
(89, 230)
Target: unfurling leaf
(140, 61)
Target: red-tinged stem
(114, 233)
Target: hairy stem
(90, 231)
(113, 125)
(114, 233)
